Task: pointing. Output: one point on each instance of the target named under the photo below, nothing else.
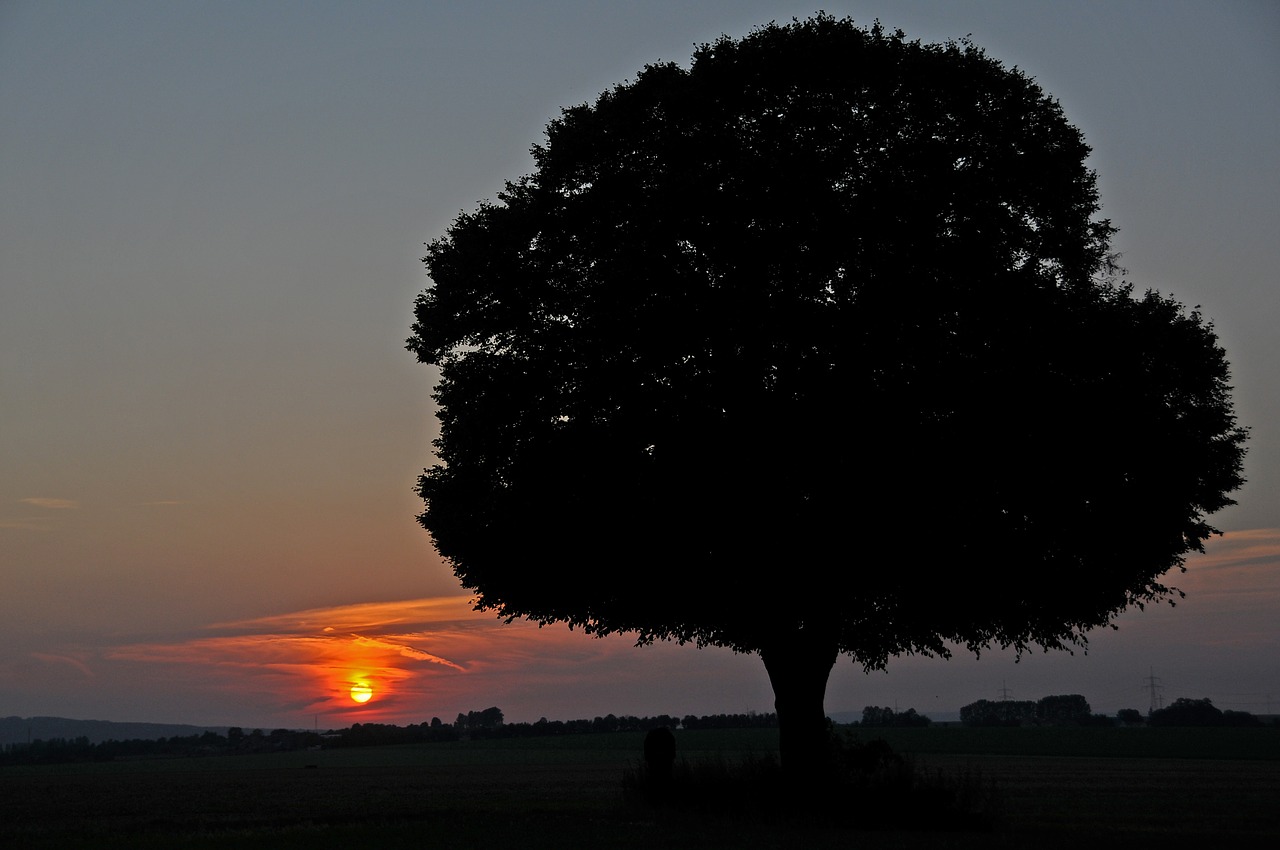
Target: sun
(361, 692)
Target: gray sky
(211, 219)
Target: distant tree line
(475, 725)
(383, 734)
(490, 718)
(886, 717)
(487, 724)
(1074, 710)
(1199, 712)
(235, 742)
(1057, 710)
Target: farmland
(1165, 788)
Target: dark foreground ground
(1128, 788)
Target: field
(1054, 788)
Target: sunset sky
(212, 216)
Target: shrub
(868, 786)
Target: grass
(1155, 788)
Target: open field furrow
(569, 792)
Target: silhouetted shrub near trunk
(659, 761)
(867, 786)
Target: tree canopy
(814, 347)
(1187, 712)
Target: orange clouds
(362, 616)
(1236, 585)
(437, 657)
(1251, 546)
(1240, 563)
(420, 657)
(40, 522)
(51, 503)
(404, 650)
(71, 661)
(310, 660)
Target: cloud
(421, 657)
(51, 503)
(1232, 595)
(26, 524)
(405, 650)
(1238, 563)
(52, 658)
(37, 523)
(367, 616)
(1236, 547)
(438, 656)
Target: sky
(212, 216)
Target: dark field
(1055, 788)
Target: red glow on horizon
(367, 662)
(436, 657)
(418, 657)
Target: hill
(20, 730)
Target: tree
(1129, 716)
(877, 717)
(1003, 713)
(872, 716)
(826, 326)
(1187, 712)
(489, 719)
(1240, 718)
(1063, 710)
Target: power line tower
(1154, 687)
(1004, 692)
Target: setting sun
(361, 693)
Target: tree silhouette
(815, 347)
(1187, 712)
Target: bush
(1187, 712)
(869, 786)
(1004, 713)
(887, 717)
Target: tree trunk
(799, 665)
